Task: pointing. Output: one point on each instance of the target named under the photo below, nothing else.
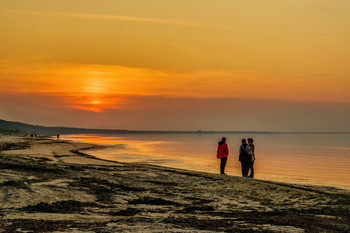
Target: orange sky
(197, 64)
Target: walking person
(222, 154)
(252, 146)
(245, 157)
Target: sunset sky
(176, 64)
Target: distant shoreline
(23, 128)
(213, 132)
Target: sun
(95, 102)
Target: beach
(49, 185)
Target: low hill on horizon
(16, 128)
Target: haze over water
(317, 159)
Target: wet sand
(55, 186)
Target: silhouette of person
(222, 154)
(58, 136)
(245, 157)
(252, 146)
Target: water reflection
(307, 159)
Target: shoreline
(262, 174)
(52, 185)
(98, 146)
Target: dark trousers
(223, 165)
(245, 168)
(251, 170)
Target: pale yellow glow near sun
(95, 102)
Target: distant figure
(252, 146)
(58, 136)
(222, 154)
(32, 135)
(245, 157)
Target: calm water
(305, 159)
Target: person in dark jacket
(245, 157)
(252, 146)
(222, 154)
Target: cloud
(180, 113)
(100, 88)
(177, 22)
(324, 8)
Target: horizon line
(186, 131)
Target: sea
(312, 159)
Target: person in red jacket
(222, 154)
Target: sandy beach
(51, 185)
